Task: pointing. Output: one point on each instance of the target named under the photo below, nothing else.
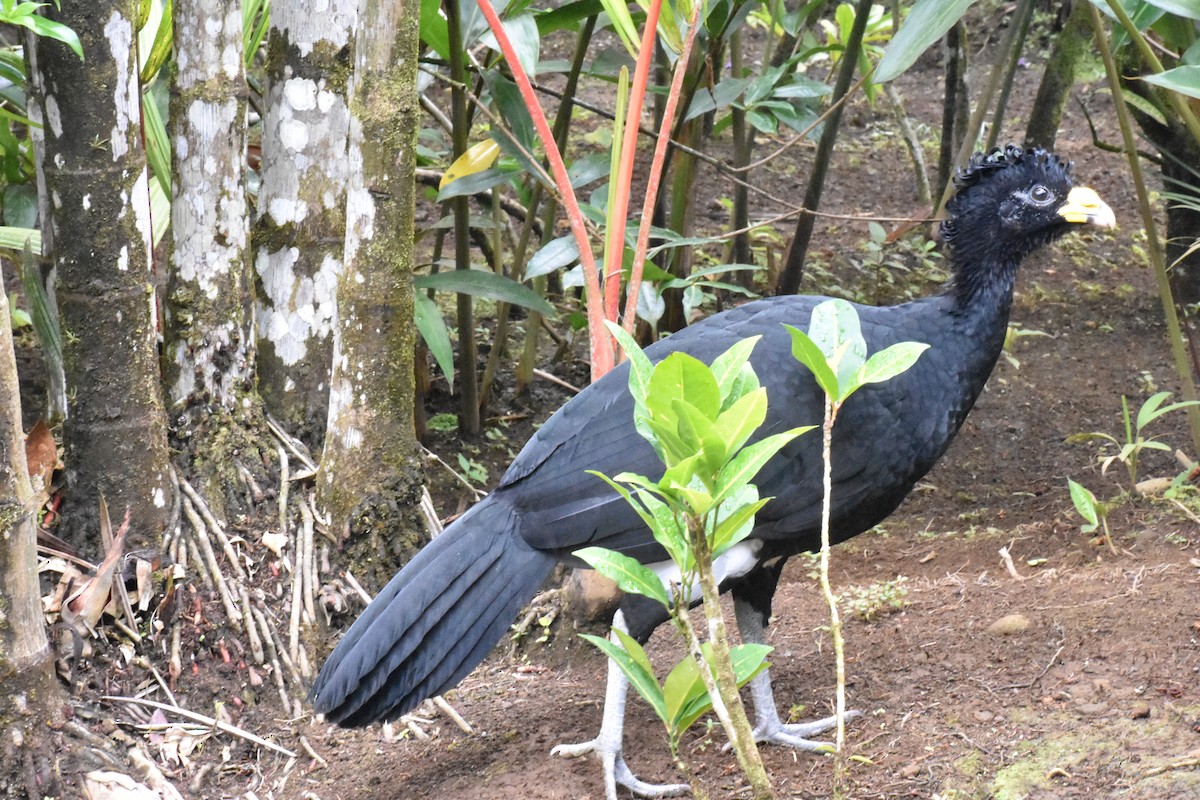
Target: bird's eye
(1040, 194)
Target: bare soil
(1098, 697)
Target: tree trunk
(97, 185)
(370, 479)
(207, 362)
(31, 694)
(300, 230)
(1069, 47)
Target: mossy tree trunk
(98, 226)
(300, 230)
(370, 480)
(1068, 49)
(208, 368)
(31, 696)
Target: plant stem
(835, 619)
(1154, 245)
(722, 687)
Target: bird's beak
(1084, 205)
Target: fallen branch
(212, 723)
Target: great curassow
(449, 606)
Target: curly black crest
(983, 165)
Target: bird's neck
(983, 286)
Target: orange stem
(617, 215)
(601, 343)
(660, 155)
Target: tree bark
(208, 367)
(31, 695)
(300, 230)
(98, 220)
(1069, 47)
(370, 479)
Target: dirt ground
(1098, 696)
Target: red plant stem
(617, 215)
(601, 342)
(660, 155)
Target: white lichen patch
(118, 32)
(301, 307)
(53, 116)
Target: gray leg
(768, 726)
(607, 744)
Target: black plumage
(445, 610)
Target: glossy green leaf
(434, 31)
(680, 376)
(1185, 80)
(925, 24)
(437, 338)
(628, 573)
(742, 468)
(806, 351)
(622, 23)
(555, 254)
(736, 526)
(728, 367)
(22, 14)
(485, 284)
(1085, 502)
(736, 424)
(631, 660)
(888, 363)
(1183, 8)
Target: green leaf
(888, 363)
(631, 660)
(622, 23)
(628, 573)
(555, 254)
(680, 376)
(433, 28)
(736, 424)
(523, 33)
(835, 329)
(1185, 80)
(1085, 502)
(806, 351)
(437, 337)
(700, 433)
(736, 526)
(682, 690)
(1184, 8)
(926, 23)
(728, 367)
(1150, 410)
(46, 28)
(15, 239)
(485, 284)
(475, 182)
(158, 145)
(742, 468)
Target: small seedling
(1129, 451)
(1094, 511)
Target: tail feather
(433, 622)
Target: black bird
(449, 606)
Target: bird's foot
(617, 772)
(798, 735)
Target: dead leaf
(107, 785)
(275, 542)
(41, 453)
(86, 606)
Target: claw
(617, 772)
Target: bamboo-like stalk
(1154, 244)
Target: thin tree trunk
(31, 694)
(207, 362)
(370, 481)
(300, 229)
(1068, 50)
(793, 268)
(955, 98)
(98, 220)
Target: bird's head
(1011, 201)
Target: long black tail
(434, 621)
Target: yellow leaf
(477, 158)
